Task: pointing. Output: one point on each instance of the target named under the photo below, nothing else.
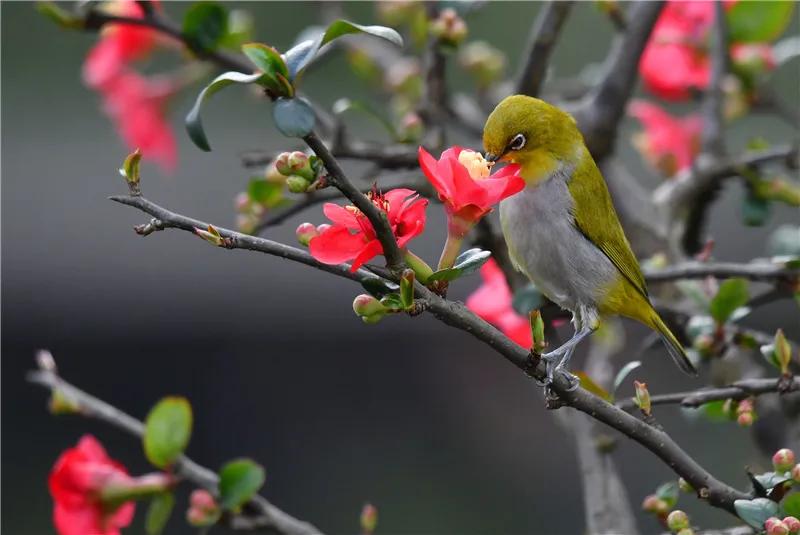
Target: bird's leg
(556, 361)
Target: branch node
(148, 228)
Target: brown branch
(457, 315)
(259, 514)
(393, 156)
(698, 270)
(541, 42)
(598, 116)
(737, 391)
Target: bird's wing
(597, 220)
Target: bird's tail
(674, 347)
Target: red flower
(675, 59)
(492, 302)
(466, 188)
(351, 237)
(668, 143)
(119, 45)
(76, 483)
(134, 103)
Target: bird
(562, 230)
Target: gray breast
(546, 245)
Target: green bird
(562, 230)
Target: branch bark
(697, 270)
(541, 42)
(259, 514)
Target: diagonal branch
(738, 391)
(260, 513)
(541, 42)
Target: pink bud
(774, 526)
(746, 405)
(369, 518)
(796, 473)
(793, 524)
(282, 164)
(203, 500)
(271, 174)
(642, 397)
(677, 520)
(305, 232)
(783, 460)
(323, 227)
(365, 305)
(745, 419)
(651, 503)
(242, 202)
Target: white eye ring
(517, 142)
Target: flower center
(474, 163)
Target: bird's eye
(517, 142)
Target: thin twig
(698, 270)
(264, 516)
(541, 42)
(737, 391)
(392, 156)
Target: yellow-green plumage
(566, 201)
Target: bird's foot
(554, 362)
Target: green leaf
(265, 192)
(769, 480)
(756, 21)
(269, 61)
(240, 29)
(299, 56)
(669, 492)
(239, 480)
(407, 289)
(732, 294)
(526, 299)
(624, 371)
(755, 210)
(716, 411)
(194, 125)
(589, 384)
(205, 25)
(466, 263)
(393, 302)
(167, 430)
(159, 512)
(294, 117)
(377, 287)
(791, 505)
(755, 512)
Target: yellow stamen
(475, 163)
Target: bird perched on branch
(562, 230)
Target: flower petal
(336, 245)
(340, 216)
(372, 249)
(442, 182)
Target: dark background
(420, 419)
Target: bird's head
(530, 132)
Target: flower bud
(60, 403)
(271, 174)
(484, 62)
(323, 227)
(202, 499)
(301, 165)
(684, 485)
(783, 460)
(410, 127)
(211, 235)
(704, 344)
(796, 473)
(297, 184)
(686, 531)
(774, 526)
(654, 504)
(642, 398)
(242, 202)
(449, 28)
(783, 351)
(368, 308)
(369, 519)
(677, 520)
(282, 164)
(203, 509)
(745, 419)
(305, 232)
(246, 223)
(793, 524)
(403, 76)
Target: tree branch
(259, 513)
(698, 270)
(541, 42)
(737, 391)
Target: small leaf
(159, 512)
(407, 289)
(264, 192)
(294, 117)
(791, 505)
(732, 294)
(194, 125)
(717, 411)
(755, 21)
(168, 428)
(269, 61)
(393, 302)
(669, 492)
(378, 287)
(768, 352)
(298, 57)
(466, 263)
(526, 299)
(239, 480)
(755, 512)
(623, 373)
(589, 384)
(755, 210)
(205, 25)
(769, 480)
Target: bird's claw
(554, 363)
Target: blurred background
(436, 430)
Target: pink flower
(462, 180)
(675, 59)
(668, 143)
(351, 237)
(492, 302)
(77, 481)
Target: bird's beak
(492, 158)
